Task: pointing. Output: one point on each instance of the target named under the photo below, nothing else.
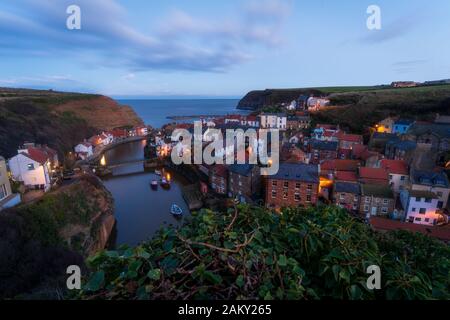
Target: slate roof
(347, 187)
(324, 145)
(403, 145)
(297, 172)
(241, 169)
(376, 190)
(440, 130)
(430, 178)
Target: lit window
(30, 166)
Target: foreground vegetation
(250, 253)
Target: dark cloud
(31, 26)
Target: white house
(84, 150)
(102, 139)
(398, 173)
(33, 169)
(421, 207)
(7, 198)
(273, 121)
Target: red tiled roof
(395, 166)
(340, 165)
(346, 176)
(349, 137)
(441, 233)
(373, 173)
(38, 155)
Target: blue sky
(219, 48)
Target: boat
(157, 172)
(176, 210)
(165, 183)
(154, 184)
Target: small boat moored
(154, 184)
(176, 210)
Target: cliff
(60, 120)
(256, 100)
(39, 240)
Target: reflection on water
(139, 210)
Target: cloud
(395, 29)
(181, 42)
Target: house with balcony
(402, 126)
(84, 150)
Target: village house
(378, 141)
(33, 166)
(330, 168)
(233, 118)
(433, 182)
(362, 153)
(294, 185)
(119, 134)
(273, 121)
(373, 176)
(218, 179)
(244, 182)
(402, 126)
(316, 103)
(298, 122)
(84, 150)
(302, 102)
(435, 135)
(348, 141)
(250, 121)
(376, 200)
(347, 195)
(7, 198)
(421, 207)
(326, 132)
(398, 173)
(404, 84)
(400, 150)
(323, 150)
(386, 125)
(102, 139)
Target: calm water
(139, 210)
(155, 112)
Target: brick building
(244, 182)
(294, 185)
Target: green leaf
(96, 281)
(240, 281)
(213, 278)
(282, 261)
(154, 274)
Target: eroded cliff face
(60, 120)
(101, 112)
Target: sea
(156, 112)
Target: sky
(219, 48)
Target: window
(30, 166)
(414, 210)
(427, 200)
(297, 197)
(427, 219)
(2, 191)
(308, 198)
(391, 177)
(366, 208)
(310, 186)
(403, 178)
(298, 186)
(285, 195)
(286, 184)
(342, 196)
(418, 199)
(274, 194)
(274, 183)
(367, 200)
(384, 210)
(385, 201)
(418, 219)
(422, 211)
